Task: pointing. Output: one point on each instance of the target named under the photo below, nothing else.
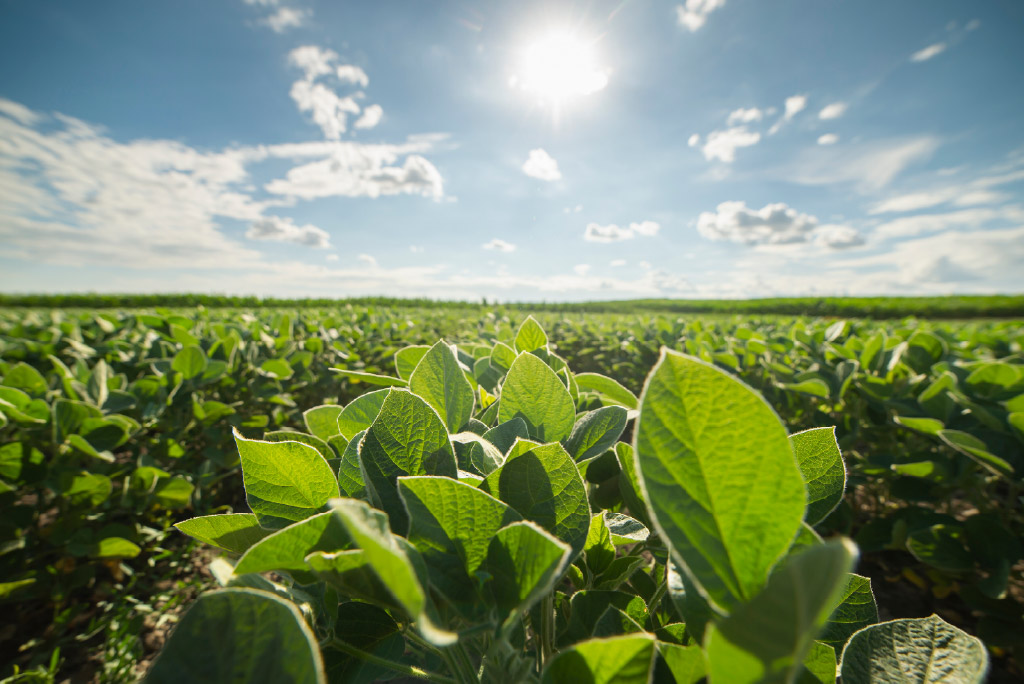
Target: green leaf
(24, 377)
(68, 417)
(916, 651)
(322, 421)
(629, 483)
(407, 438)
(115, 547)
(370, 378)
(440, 381)
(174, 492)
(309, 440)
(370, 530)
(767, 639)
(407, 358)
(502, 357)
(596, 432)
(821, 464)
(856, 610)
(350, 469)
(524, 562)
(598, 548)
(928, 426)
(533, 392)
(505, 434)
(234, 532)
(625, 530)
(284, 482)
(530, 336)
(276, 368)
(370, 629)
(721, 479)
(190, 362)
(976, 449)
(475, 452)
(619, 660)
(83, 488)
(258, 638)
(286, 549)
(610, 390)
(819, 665)
(815, 387)
(359, 414)
(686, 663)
(352, 574)
(452, 524)
(942, 547)
(544, 485)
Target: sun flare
(559, 66)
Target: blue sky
(513, 150)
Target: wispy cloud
(828, 139)
(868, 166)
(499, 245)
(542, 166)
(832, 111)
(286, 18)
(694, 13)
(368, 260)
(929, 52)
(613, 233)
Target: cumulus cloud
(613, 233)
(348, 73)
(828, 139)
(694, 14)
(833, 111)
(280, 229)
(927, 53)
(499, 245)
(773, 224)
(542, 166)
(329, 110)
(581, 269)
(722, 145)
(745, 115)
(286, 18)
(313, 60)
(371, 117)
(367, 259)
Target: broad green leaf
(624, 529)
(322, 421)
(544, 485)
(856, 610)
(533, 392)
(370, 378)
(821, 464)
(351, 573)
(617, 660)
(914, 651)
(928, 426)
(815, 387)
(767, 639)
(284, 482)
(819, 665)
(596, 432)
(525, 562)
(190, 362)
(598, 548)
(68, 417)
(358, 415)
(370, 629)
(407, 358)
(407, 438)
(996, 380)
(481, 455)
(721, 479)
(502, 357)
(613, 622)
(609, 389)
(941, 546)
(440, 381)
(174, 492)
(309, 440)
(686, 663)
(286, 549)
(505, 434)
(240, 635)
(115, 547)
(629, 484)
(370, 530)
(12, 588)
(234, 532)
(587, 607)
(530, 336)
(97, 385)
(452, 524)
(350, 471)
(24, 377)
(83, 488)
(976, 449)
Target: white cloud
(280, 229)
(333, 257)
(617, 262)
(928, 52)
(348, 73)
(285, 18)
(694, 14)
(964, 194)
(773, 224)
(499, 245)
(722, 145)
(613, 233)
(355, 170)
(828, 139)
(833, 111)
(694, 140)
(869, 166)
(581, 269)
(920, 224)
(745, 115)
(367, 259)
(371, 117)
(972, 25)
(542, 166)
(263, 3)
(18, 112)
(314, 61)
(573, 210)
(330, 111)
(794, 105)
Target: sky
(518, 151)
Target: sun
(559, 66)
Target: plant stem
(547, 629)
(410, 670)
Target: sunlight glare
(560, 66)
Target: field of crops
(545, 498)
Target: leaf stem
(410, 670)
(547, 629)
